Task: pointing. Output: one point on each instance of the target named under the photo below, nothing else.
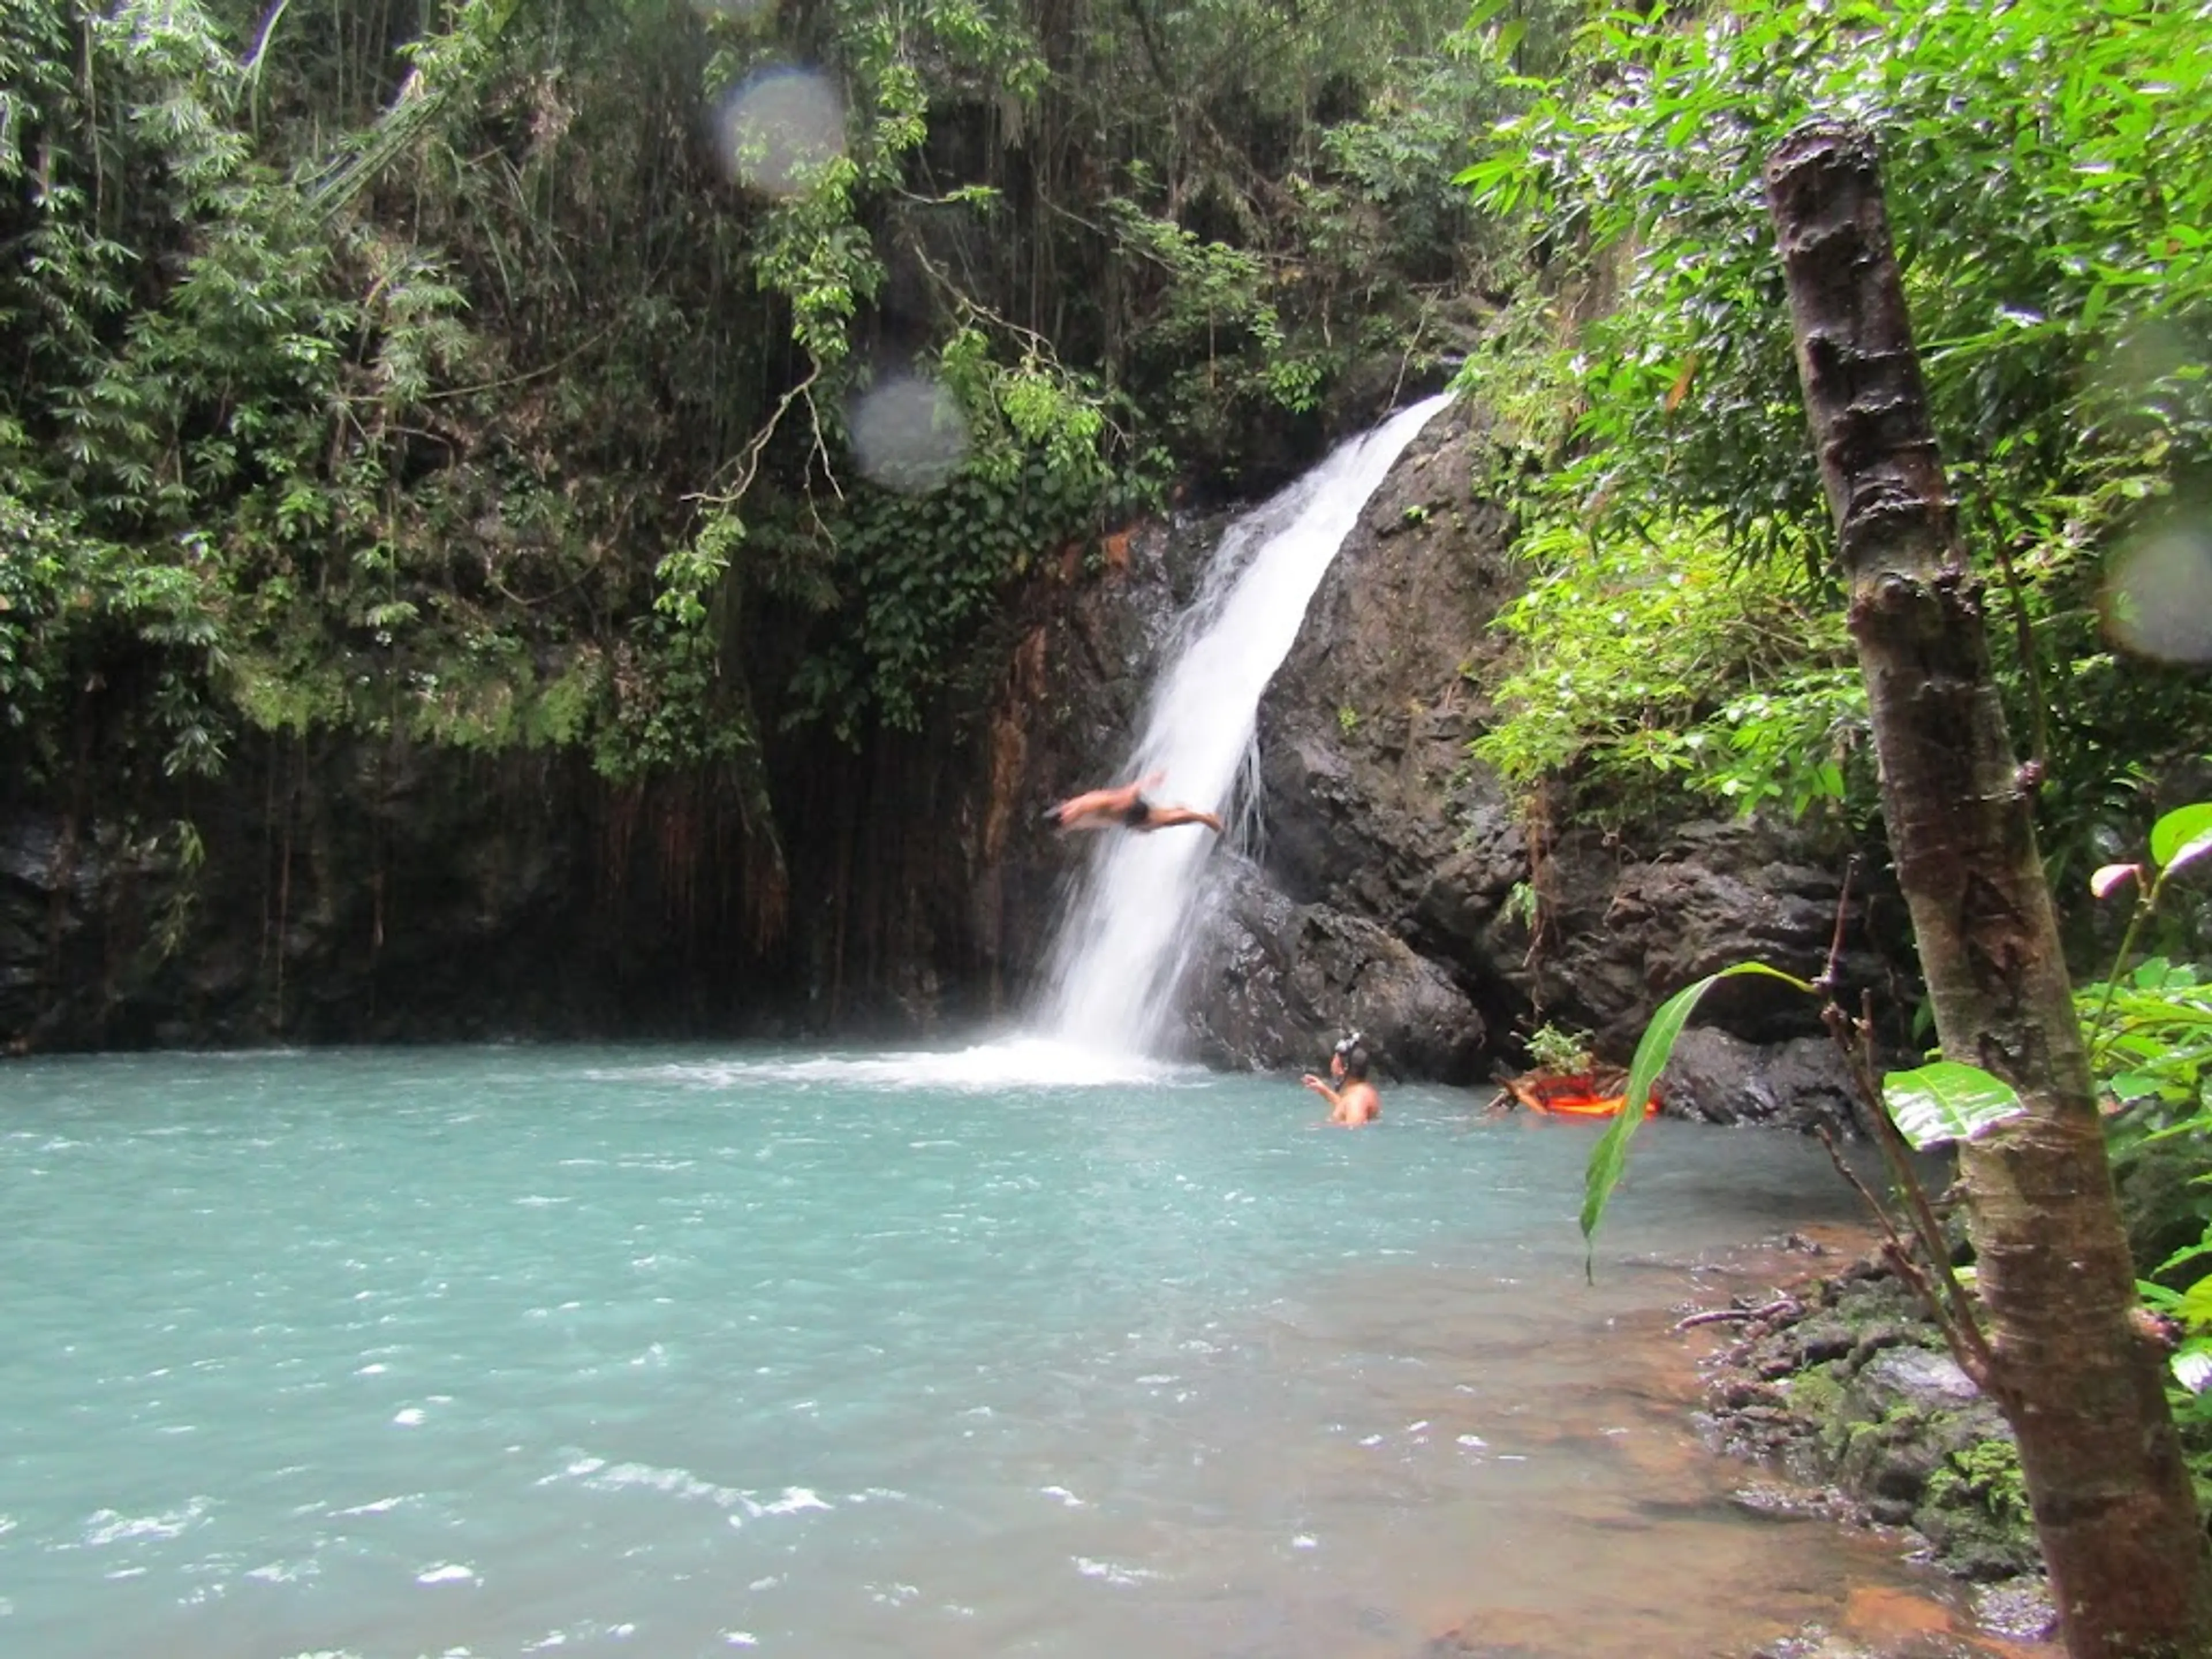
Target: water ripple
(999, 1348)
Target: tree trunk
(2081, 1386)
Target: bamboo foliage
(417, 370)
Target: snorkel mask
(1357, 1039)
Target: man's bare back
(1354, 1101)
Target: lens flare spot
(2158, 596)
(908, 433)
(779, 128)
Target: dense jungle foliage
(495, 376)
(2046, 185)
(2048, 192)
(490, 374)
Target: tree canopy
(497, 376)
(489, 374)
(2047, 171)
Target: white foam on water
(1034, 1062)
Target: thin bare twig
(1776, 1308)
(748, 458)
(1830, 970)
(1033, 344)
(1881, 1211)
(2039, 705)
(1946, 1298)
(1899, 1252)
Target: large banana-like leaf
(1610, 1156)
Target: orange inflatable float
(1584, 1095)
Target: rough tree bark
(2080, 1384)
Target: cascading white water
(1125, 941)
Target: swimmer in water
(1354, 1100)
(1125, 808)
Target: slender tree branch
(748, 458)
(1774, 1309)
(1953, 1311)
(1826, 985)
(2023, 633)
(1898, 1254)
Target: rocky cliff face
(335, 891)
(336, 888)
(342, 890)
(1398, 890)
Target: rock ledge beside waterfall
(1391, 889)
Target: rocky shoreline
(1836, 1382)
(1724, 1353)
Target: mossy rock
(1875, 1406)
(1974, 1511)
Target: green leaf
(1935, 1104)
(1610, 1156)
(2196, 1304)
(2135, 1085)
(2182, 834)
(2182, 1258)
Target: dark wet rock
(1371, 808)
(1922, 1379)
(1817, 1642)
(1361, 908)
(1801, 1083)
(347, 888)
(1637, 918)
(1375, 809)
(354, 887)
(1776, 1501)
(1814, 1642)
(1800, 1343)
(1809, 1644)
(337, 890)
(1279, 981)
(2018, 1608)
(29, 851)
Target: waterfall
(1128, 933)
